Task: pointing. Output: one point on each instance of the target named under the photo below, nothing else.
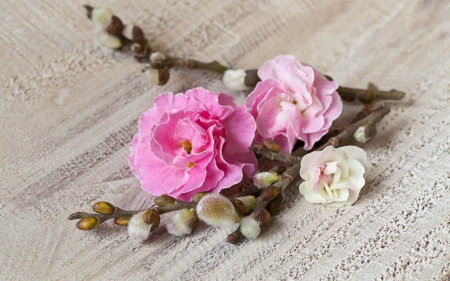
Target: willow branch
(378, 112)
(280, 156)
(118, 213)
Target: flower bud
(122, 221)
(157, 76)
(250, 228)
(101, 15)
(217, 210)
(251, 78)
(234, 237)
(157, 57)
(365, 133)
(197, 197)
(88, 223)
(137, 228)
(133, 33)
(249, 202)
(262, 216)
(271, 145)
(110, 41)
(115, 27)
(104, 208)
(270, 192)
(265, 179)
(139, 50)
(182, 222)
(152, 218)
(164, 200)
(234, 79)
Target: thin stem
(194, 64)
(118, 213)
(378, 112)
(369, 95)
(280, 156)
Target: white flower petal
(354, 152)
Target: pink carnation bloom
(292, 101)
(193, 142)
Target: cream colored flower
(333, 176)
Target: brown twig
(280, 156)
(369, 95)
(118, 213)
(378, 112)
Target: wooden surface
(69, 108)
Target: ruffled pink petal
(240, 127)
(156, 177)
(211, 101)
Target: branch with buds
(253, 208)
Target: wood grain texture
(69, 108)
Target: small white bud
(157, 56)
(217, 210)
(152, 76)
(137, 228)
(250, 228)
(110, 41)
(234, 79)
(265, 179)
(182, 222)
(127, 31)
(102, 15)
(365, 133)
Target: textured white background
(69, 108)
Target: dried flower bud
(262, 216)
(115, 27)
(101, 15)
(234, 79)
(251, 78)
(197, 197)
(89, 10)
(139, 50)
(152, 218)
(157, 76)
(249, 202)
(265, 179)
(104, 208)
(133, 33)
(270, 192)
(217, 210)
(234, 237)
(122, 221)
(110, 41)
(365, 133)
(182, 222)
(88, 223)
(271, 145)
(250, 228)
(164, 200)
(137, 228)
(275, 205)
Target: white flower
(234, 79)
(334, 176)
(137, 228)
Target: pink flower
(292, 101)
(193, 142)
(333, 176)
